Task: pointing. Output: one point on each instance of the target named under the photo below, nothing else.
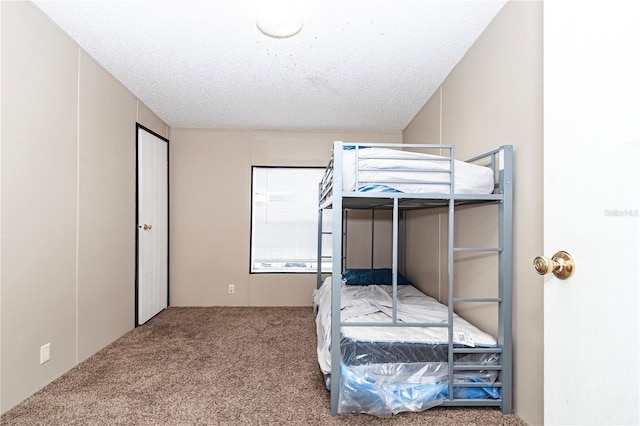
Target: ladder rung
(394, 324)
(477, 299)
(477, 249)
(463, 402)
(477, 350)
(477, 367)
(477, 385)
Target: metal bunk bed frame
(334, 198)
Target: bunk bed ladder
(321, 233)
(504, 299)
(453, 366)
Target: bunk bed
(399, 349)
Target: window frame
(282, 270)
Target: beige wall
(147, 118)
(493, 97)
(68, 207)
(210, 182)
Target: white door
(592, 202)
(152, 289)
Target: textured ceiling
(360, 65)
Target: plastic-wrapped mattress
(388, 370)
(393, 170)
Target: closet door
(152, 280)
(591, 211)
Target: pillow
(381, 276)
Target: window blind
(285, 218)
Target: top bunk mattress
(370, 169)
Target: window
(284, 220)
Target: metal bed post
(373, 235)
(336, 357)
(394, 262)
(320, 234)
(450, 296)
(505, 275)
(402, 238)
(345, 239)
(450, 251)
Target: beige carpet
(212, 366)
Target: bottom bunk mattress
(386, 370)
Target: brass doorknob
(561, 264)
(146, 227)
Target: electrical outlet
(45, 353)
(232, 288)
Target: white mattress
(373, 304)
(405, 171)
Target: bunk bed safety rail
(388, 168)
(326, 184)
(494, 160)
(394, 168)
